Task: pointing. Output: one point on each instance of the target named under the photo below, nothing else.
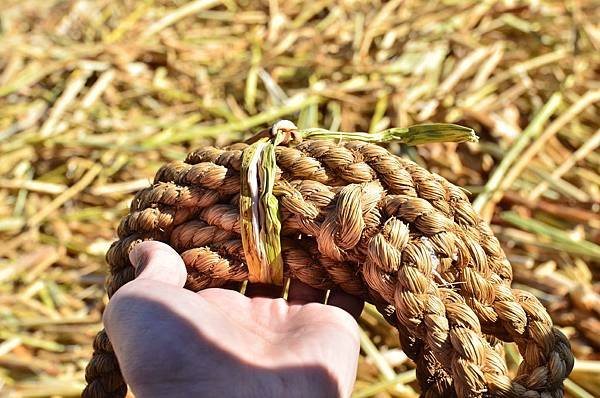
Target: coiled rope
(355, 217)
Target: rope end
(439, 132)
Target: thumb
(159, 262)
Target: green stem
(413, 135)
(560, 239)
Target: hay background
(96, 94)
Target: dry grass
(96, 94)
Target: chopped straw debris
(95, 95)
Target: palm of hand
(217, 342)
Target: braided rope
(373, 225)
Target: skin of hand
(172, 342)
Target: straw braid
(374, 225)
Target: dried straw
(106, 87)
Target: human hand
(172, 342)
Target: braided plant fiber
(357, 218)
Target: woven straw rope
(374, 225)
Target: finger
(263, 290)
(347, 302)
(159, 262)
(300, 292)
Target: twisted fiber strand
(102, 372)
(437, 316)
(360, 219)
(434, 381)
